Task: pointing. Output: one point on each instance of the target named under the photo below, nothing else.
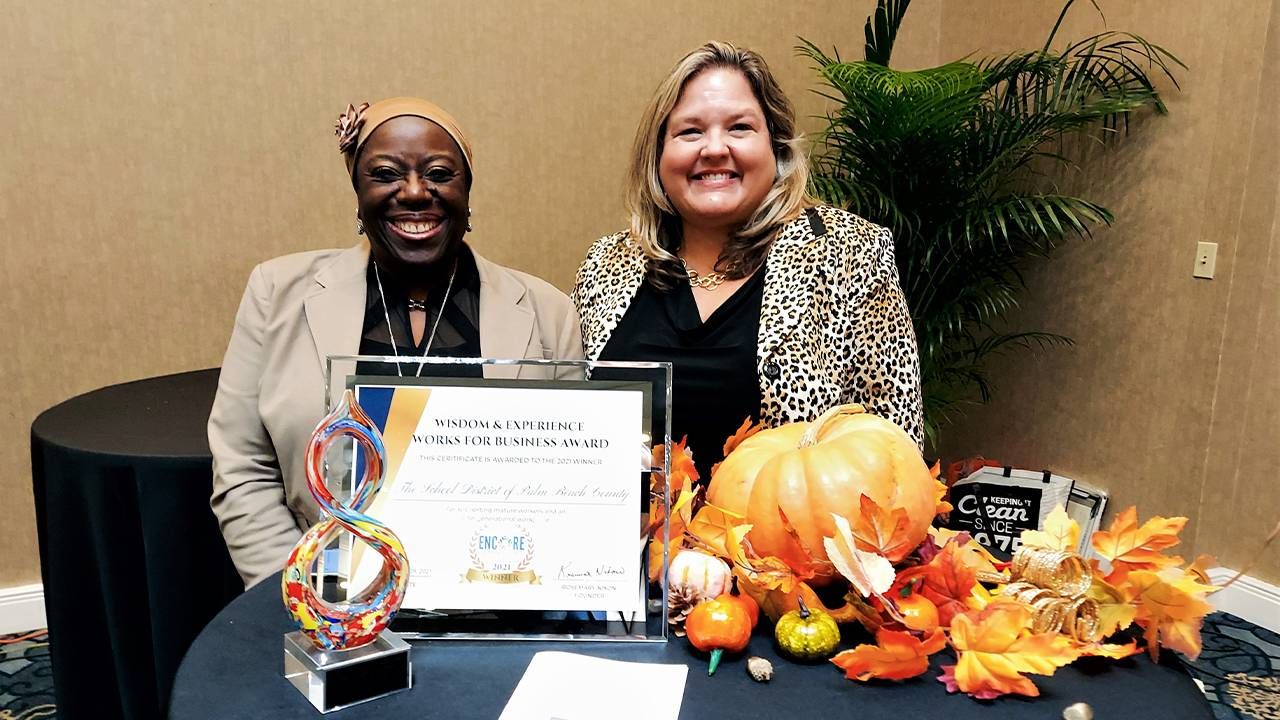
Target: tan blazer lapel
(335, 311)
(791, 274)
(506, 325)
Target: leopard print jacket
(834, 326)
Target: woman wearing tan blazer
(414, 288)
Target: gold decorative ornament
(1053, 583)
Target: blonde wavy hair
(655, 223)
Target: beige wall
(1171, 399)
(155, 151)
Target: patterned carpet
(1239, 669)
(26, 677)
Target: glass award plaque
(526, 494)
(342, 654)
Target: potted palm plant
(960, 162)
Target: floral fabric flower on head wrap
(347, 128)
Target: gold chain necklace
(710, 281)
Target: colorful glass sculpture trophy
(341, 656)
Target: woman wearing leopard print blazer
(769, 305)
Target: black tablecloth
(131, 556)
(233, 670)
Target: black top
(715, 385)
(457, 335)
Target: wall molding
(1249, 598)
(21, 608)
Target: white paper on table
(565, 686)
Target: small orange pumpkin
(811, 470)
(718, 625)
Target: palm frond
(882, 29)
(958, 161)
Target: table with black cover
(132, 559)
(234, 670)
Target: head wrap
(356, 125)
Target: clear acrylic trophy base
(333, 680)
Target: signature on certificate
(575, 571)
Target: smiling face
(411, 188)
(717, 162)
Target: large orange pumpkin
(811, 470)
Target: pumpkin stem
(715, 661)
(804, 609)
(810, 436)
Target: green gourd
(806, 634)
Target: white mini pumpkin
(697, 574)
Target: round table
(132, 559)
(234, 670)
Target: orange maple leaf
(719, 531)
(680, 515)
(683, 472)
(1108, 650)
(896, 655)
(884, 531)
(809, 566)
(994, 647)
(746, 430)
(950, 579)
(1170, 608)
(1115, 611)
(1132, 547)
(940, 490)
(776, 602)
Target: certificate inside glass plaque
(526, 493)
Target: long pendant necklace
(412, 305)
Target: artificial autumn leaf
(1115, 612)
(1200, 567)
(1170, 609)
(1110, 650)
(859, 610)
(940, 536)
(746, 430)
(680, 512)
(870, 573)
(940, 490)
(942, 505)
(993, 649)
(683, 472)
(1060, 532)
(810, 566)
(710, 529)
(775, 603)
(1132, 547)
(884, 531)
(895, 656)
(950, 579)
